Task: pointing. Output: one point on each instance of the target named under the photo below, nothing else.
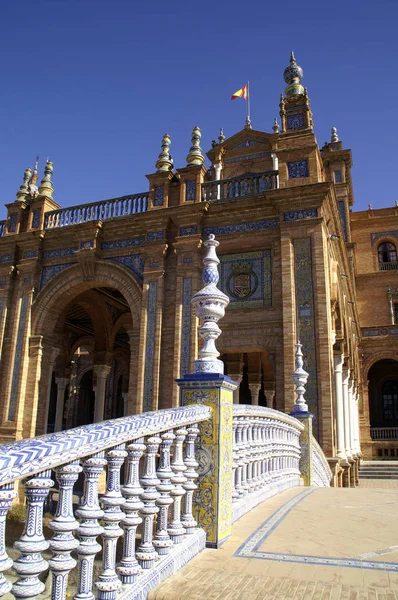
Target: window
(387, 253)
(390, 400)
(338, 177)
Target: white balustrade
(153, 484)
(266, 455)
(322, 472)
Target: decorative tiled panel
(246, 278)
(186, 326)
(3, 282)
(304, 292)
(343, 218)
(18, 358)
(30, 254)
(247, 144)
(6, 258)
(188, 230)
(242, 227)
(376, 236)
(153, 236)
(134, 262)
(117, 244)
(154, 264)
(60, 253)
(190, 191)
(13, 223)
(247, 157)
(298, 169)
(36, 218)
(51, 271)
(158, 196)
(150, 346)
(295, 121)
(86, 244)
(27, 280)
(298, 215)
(295, 108)
(187, 259)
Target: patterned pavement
(319, 544)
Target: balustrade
(322, 473)
(266, 455)
(104, 210)
(149, 489)
(240, 187)
(384, 433)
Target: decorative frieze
(51, 271)
(190, 230)
(247, 157)
(134, 262)
(380, 234)
(242, 227)
(60, 253)
(86, 244)
(298, 215)
(154, 236)
(6, 258)
(118, 244)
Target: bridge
(203, 500)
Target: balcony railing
(384, 433)
(389, 266)
(104, 210)
(246, 186)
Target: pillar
(338, 390)
(346, 412)
(61, 382)
(270, 397)
(254, 391)
(101, 372)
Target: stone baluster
(187, 518)
(245, 455)
(239, 450)
(263, 452)
(146, 553)
(108, 582)
(31, 544)
(162, 541)
(129, 568)
(89, 512)
(249, 455)
(235, 460)
(7, 495)
(176, 529)
(63, 525)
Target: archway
(383, 394)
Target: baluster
(187, 518)
(245, 453)
(255, 457)
(7, 495)
(108, 583)
(31, 544)
(176, 528)
(235, 460)
(162, 541)
(89, 512)
(249, 454)
(129, 567)
(240, 451)
(63, 525)
(146, 554)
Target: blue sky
(95, 85)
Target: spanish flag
(242, 93)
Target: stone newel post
(208, 385)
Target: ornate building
(95, 312)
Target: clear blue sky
(94, 84)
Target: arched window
(390, 400)
(387, 253)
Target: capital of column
(346, 376)
(102, 371)
(338, 362)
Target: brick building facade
(95, 314)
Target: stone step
(388, 476)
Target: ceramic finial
(165, 162)
(195, 156)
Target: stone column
(101, 372)
(270, 397)
(217, 175)
(254, 391)
(238, 381)
(346, 412)
(61, 382)
(338, 390)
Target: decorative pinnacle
(210, 304)
(275, 126)
(221, 137)
(24, 189)
(300, 378)
(46, 186)
(334, 136)
(32, 187)
(195, 156)
(165, 162)
(248, 124)
(293, 75)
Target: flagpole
(248, 100)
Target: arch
(374, 358)
(71, 282)
(386, 252)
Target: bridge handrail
(250, 410)
(30, 456)
(321, 468)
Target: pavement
(304, 544)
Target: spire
(24, 189)
(334, 136)
(165, 162)
(195, 156)
(293, 75)
(32, 186)
(46, 186)
(275, 126)
(221, 137)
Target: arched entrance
(383, 394)
(87, 363)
